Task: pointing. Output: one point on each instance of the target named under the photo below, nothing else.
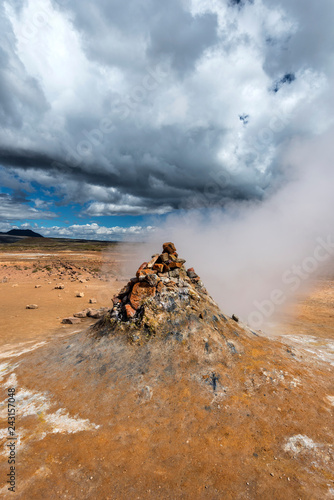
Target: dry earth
(94, 421)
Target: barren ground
(90, 427)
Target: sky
(115, 116)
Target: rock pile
(162, 295)
(163, 274)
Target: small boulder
(235, 318)
(153, 261)
(158, 267)
(92, 301)
(141, 275)
(32, 306)
(164, 257)
(191, 273)
(97, 313)
(140, 268)
(59, 287)
(38, 286)
(175, 265)
(80, 294)
(130, 312)
(152, 279)
(71, 321)
(141, 291)
(169, 247)
(81, 314)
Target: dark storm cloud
(15, 208)
(143, 106)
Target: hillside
(24, 232)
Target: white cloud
(94, 231)
(11, 209)
(116, 124)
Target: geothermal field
(166, 250)
(139, 386)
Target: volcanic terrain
(165, 397)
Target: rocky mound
(164, 299)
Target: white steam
(253, 258)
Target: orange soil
(162, 435)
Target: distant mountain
(24, 232)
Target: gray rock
(175, 273)
(71, 321)
(81, 314)
(152, 279)
(164, 257)
(95, 313)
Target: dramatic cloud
(143, 107)
(14, 208)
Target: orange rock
(169, 247)
(175, 265)
(141, 291)
(140, 268)
(130, 312)
(160, 286)
(158, 267)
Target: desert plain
(95, 423)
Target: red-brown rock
(160, 286)
(140, 292)
(175, 265)
(140, 268)
(153, 261)
(158, 267)
(130, 312)
(169, 247)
